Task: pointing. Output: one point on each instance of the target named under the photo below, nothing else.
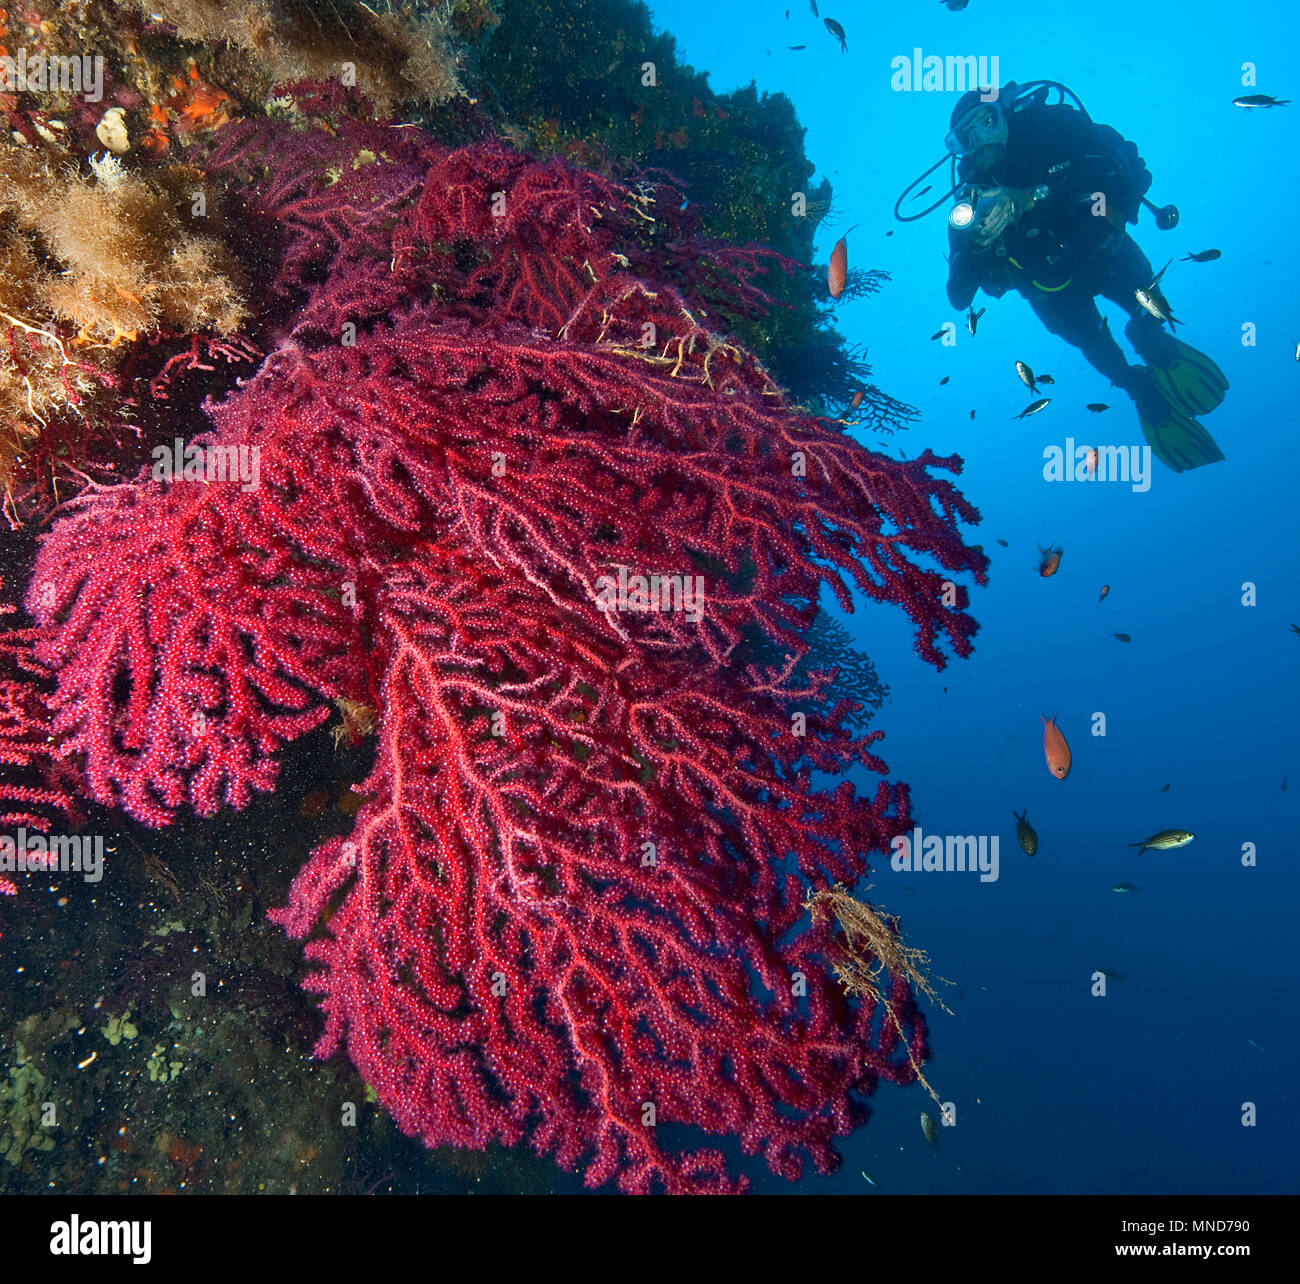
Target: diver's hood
(978, 120)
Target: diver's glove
(1005, 206)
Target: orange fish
(1051, 560)
(838, 271)
(857, 399)
(1055, 750)
(1105, 588)
(1090, 461)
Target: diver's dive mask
(982, 126)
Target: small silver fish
(1166, 840)
(1121, 888)
(973, 319)
(1034, 407)
(1026, 835)
(1154, 302)
(867, 1176)
(930, 1131)
(1026, 376)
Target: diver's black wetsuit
(1060, 255)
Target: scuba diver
(1044, 196)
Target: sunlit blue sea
(1056, 1088)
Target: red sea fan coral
(37, 783)
(546, 933)
(572, 910)
(191, 640)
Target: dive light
(963, 213)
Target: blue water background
(1057, 1090)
